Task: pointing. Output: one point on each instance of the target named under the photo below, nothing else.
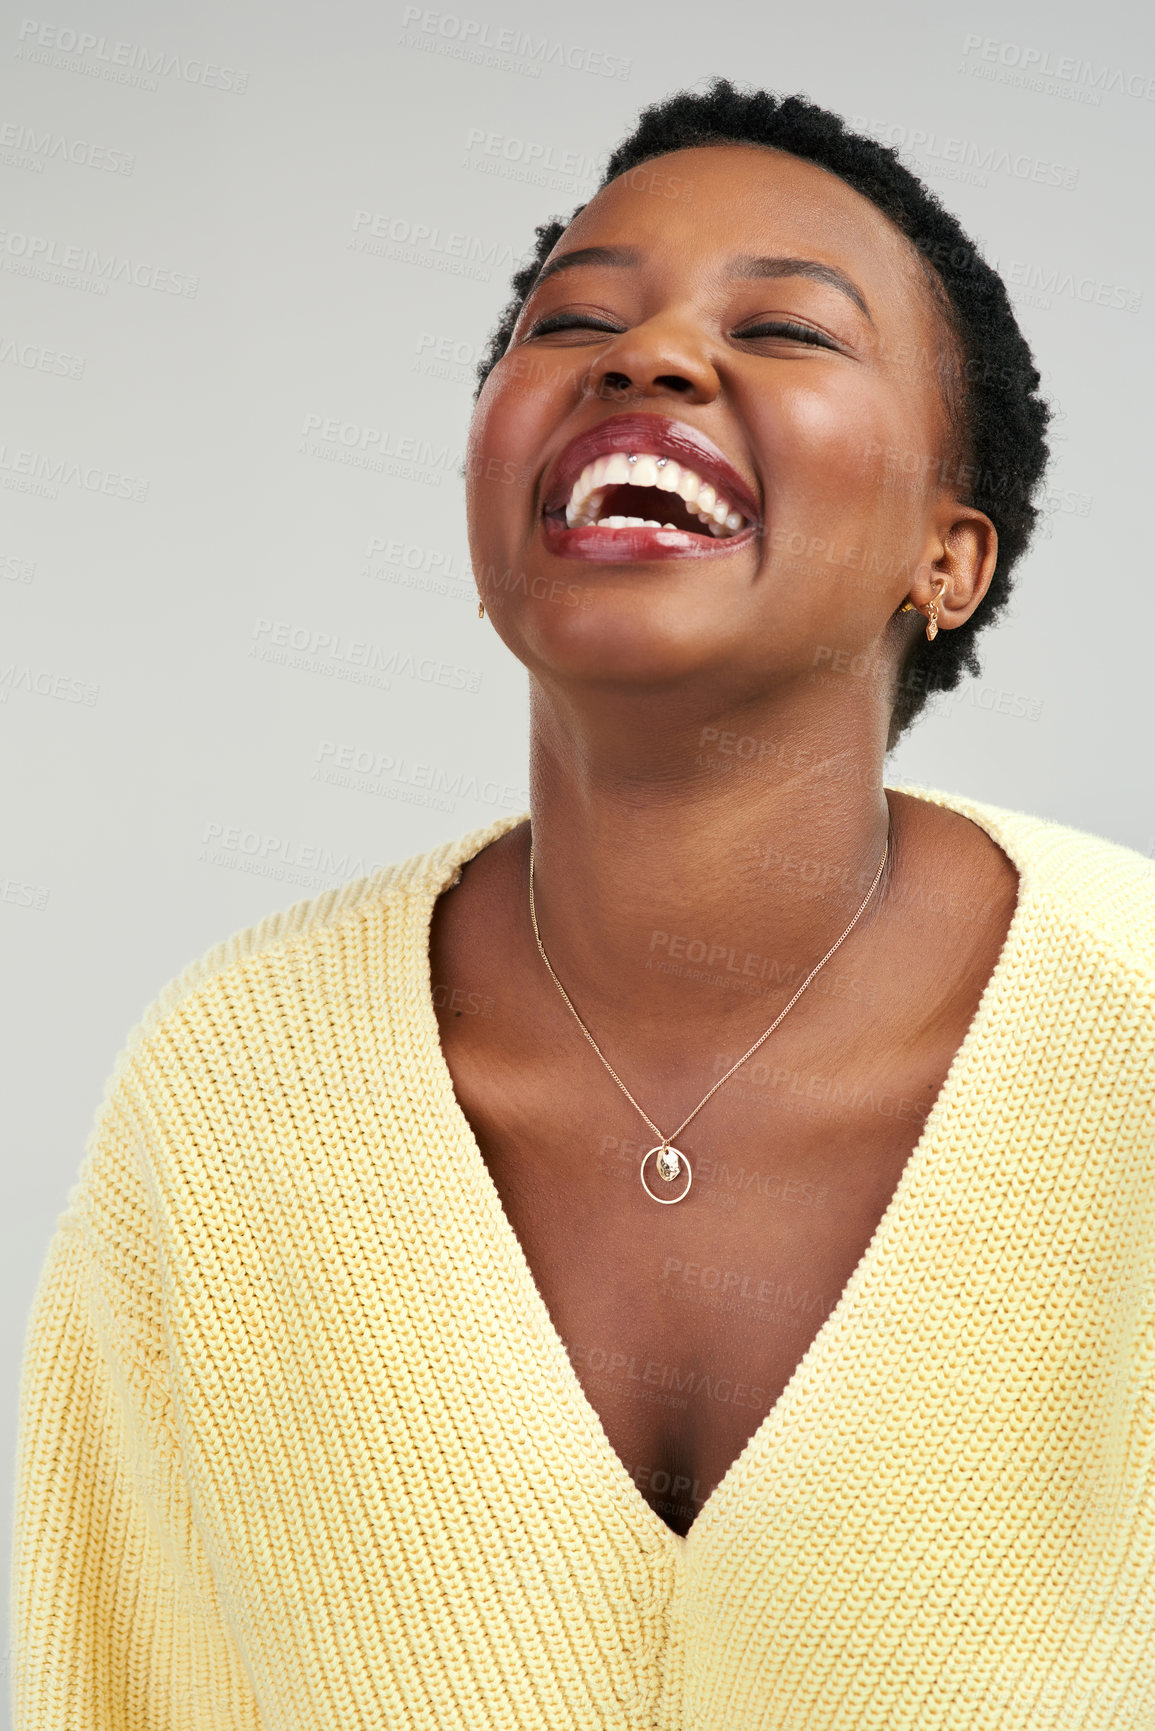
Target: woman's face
(734, 319)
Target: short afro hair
(990, 385)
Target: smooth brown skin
(644, 824)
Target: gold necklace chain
(670, 1160)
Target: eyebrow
(810, 267)
(622, 256)
(747, 265)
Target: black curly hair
(989, 379)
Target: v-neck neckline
(887, 1238)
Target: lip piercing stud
(632, 458)
(662, 461)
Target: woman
(698, 1274)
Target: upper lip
(661, 436)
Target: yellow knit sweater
(300, 1448)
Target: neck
(724, 852)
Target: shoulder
(1098, 892)
(284, 938)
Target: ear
(958, 567)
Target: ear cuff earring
(908, 606)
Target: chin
(604, 633)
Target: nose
(661, 358)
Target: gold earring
(932, 612)
(908, 606)
(481, 609)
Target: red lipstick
(658, 436)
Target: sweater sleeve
(116, 1621)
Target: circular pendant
(669, 1163)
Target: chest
(685, 1323)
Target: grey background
(166, 783)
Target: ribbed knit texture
(300, 1448)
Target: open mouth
(642, 486)
(635, 490)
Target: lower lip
(638, 546)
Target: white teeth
(642, 469)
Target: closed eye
(788, 328)
(571, 322)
